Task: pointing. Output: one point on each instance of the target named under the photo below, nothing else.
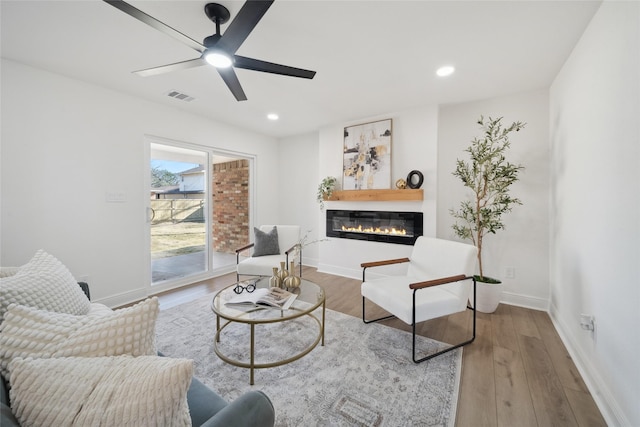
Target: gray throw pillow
(265, 243)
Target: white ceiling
(371, 57)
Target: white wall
(413, 147)
(65, 144)
(524, 243)
(298, 171)
(595, 207)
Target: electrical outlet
(509, 273)
(587, 322)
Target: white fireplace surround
(343, 256)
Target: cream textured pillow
(107, 391)
(45, 283)
(29, 332)
(8, 271)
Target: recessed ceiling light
(447, 70)
(272, 116)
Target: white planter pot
(488, 296)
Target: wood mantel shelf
(376, 195)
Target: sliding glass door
(198, 211)
(179, 212)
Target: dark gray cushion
(266, 243)
(7, 419)
(6, 416)
(253, 408)
(203, 402)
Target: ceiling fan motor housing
(217, 13)
(211, 41)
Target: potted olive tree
(488, 175)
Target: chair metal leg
(237, 262)
(413, 328)
(364, 319)
(450, 348)
(374, 320)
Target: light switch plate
(116, 197)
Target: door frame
(146, 218)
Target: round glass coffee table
(310, 297)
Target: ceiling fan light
(218, 59)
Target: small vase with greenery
(325, 189)
(304, 242)
(488, 175)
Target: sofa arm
(253, 409)
(85, 288)
(7, 419)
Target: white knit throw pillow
(101, 391)
(45, 283)
(8, 271)
(29, 332)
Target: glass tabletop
(309, 297)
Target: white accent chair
(288, 238)
(438, 282)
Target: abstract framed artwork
(366, 157)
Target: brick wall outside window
(230, 205)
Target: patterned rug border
(383, 357)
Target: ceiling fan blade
(245, 21)
(270, 67)
(153, 22)
(183, 65)
(231, 79)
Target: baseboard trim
(604, 399)
(340, 271)
(123, 298)
(131, 297)
(310, 262)
(526, 301)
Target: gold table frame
(310, 297)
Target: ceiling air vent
(179, 95)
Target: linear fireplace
(379, 226)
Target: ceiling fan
(218, 49)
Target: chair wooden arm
(291, 249)
(366, 265)
(437, 282)
(385, 262)
(239, 251)
(244, 248)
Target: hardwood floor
(516, 373)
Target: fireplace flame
(377, 230)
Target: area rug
(362, 376)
